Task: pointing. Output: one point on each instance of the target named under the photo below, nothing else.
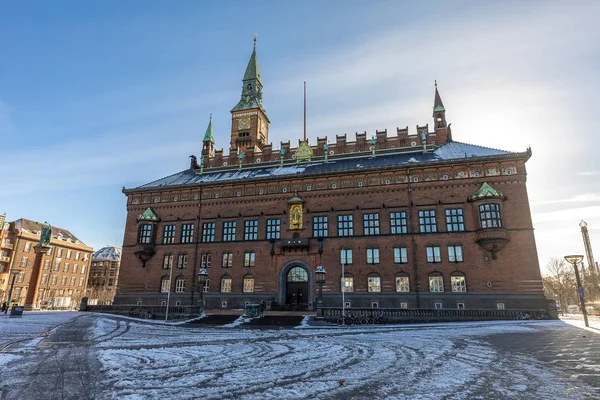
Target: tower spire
(439, 112)
(208, 143)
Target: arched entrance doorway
(296, 286)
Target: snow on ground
(439, 361)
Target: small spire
(437, 103)
(209, 135)
(255, 35)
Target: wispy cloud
(582, 198)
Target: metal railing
(396, 315)
(147, 312)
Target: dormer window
(490, 216)
(145, 236)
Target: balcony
(294, 243)
(6, 245)
(492, 239)
(4, 259)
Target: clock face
(244, 123)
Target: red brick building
(415, 220)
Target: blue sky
(95, 96)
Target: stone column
(34, 281)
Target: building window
(398, 223)
(54, 279)
(167, 261)
(250, 230)
(180, 285)
(205, 288)
(44, 279)
(460, 306)
(500, 306)
(433, 254)
(489, 216)
(187, 233)
(427, 223)
(63, 281)
(27, 247)
(227, 259)
(229, 231)
(80, 281)
(438, 306)
(226, 284)
(248, 284)
(458, 282)
(455, 221)
(403, 305)
(24, 261)
(208, 232)
(57, 265)
(345, 225)
(21, 277)
(75, 268)
(455, 254)
(73, 281)
(273, 228)
(46, 264)
(372, 256)
(165, 284)
(436, 283)
(402, 284)
(169, 234)
(371, 224)
(182, 260)
(59, 253)
(68, 254)
(145, 236)
(205, 260)
(374, 283)
(346, 256)
(77, 255)
(400, 255)
(83, 269)
(249, 259)
(348, 283)
(321, 226)
(66, 267)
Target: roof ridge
(484, 147)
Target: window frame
(347, 283)
(229, 228)
(273, 227)
(345, 225)
(427, 221)
(144, 235)
(248, 284)
(208, 232)
(398, 223)
(182, 260)
(346, 256)
(249, 258)
(455, 253)
(227, 259)
(374, 283)
(490, 213)
(373, 255)
(167, 261)
(455, 219)
(180, 285)
(371, 224)
(321, 226)
(400, 255)
(402, 281)
(251, 229)
(169, 231)
(226, 284)
(436, 283)
(434, 254)
(187, 233)
(458, 282)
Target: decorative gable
(486, 192)
(148, 215)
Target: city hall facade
(398, 220)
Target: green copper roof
(439, 108)
(148, 215)
(485, 192)
(252, 70)
(209, 135)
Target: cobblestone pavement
(93, 357)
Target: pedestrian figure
(261, 308)
(4, 306)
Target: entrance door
(296, 287)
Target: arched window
(180, 284)
(374, 282)
(402, 283)
(436, 282)
(248, 284)
(225, 284)
(165, 284)
(458, 281)
(348, 283)
(297, 274)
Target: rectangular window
(83, 269)
(46, 264)
(345, 225)
(73, 281)
(371, 224)
(27, 247)
(249, 259)
(227, 259)
(44, 279)
(398, 223)
(433, 254)
(205, 260)
(68, 254)
(273, 228)
(250, 230)
(458, 283)
(77, 255)
(248, 285)
(24, 261)
(455, 221)
(80, 281)
(348, 284)
(59, 253)
(21, 277)
(75, 268)
(187, 233)
(436, 283)
(167, 261)
(179, 285)
(182, 260)
(489, 216)
(169, 234)
(57, 265)
(438, 306)
(427, 222)
(346, 256)
(229, 231)
(226, 286)
(63, 281)
(165, 285)
(321, 226)
(455, 254)
(403, 305)
(372, 256)
(500, 306)
(66, 267)
(400, 255)
(53, 280)
(402, 284)
(374, 284)
(145, 234)
(208, 232)
(460, 306)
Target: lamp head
(15, 271)
(574, 259)
(583, 224)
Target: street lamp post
(343, 284)
(169, 291)
(320, 274)
(576, 259)
(14, 272)
(202, 275)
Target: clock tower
(249, 122)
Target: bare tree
(559, 283)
